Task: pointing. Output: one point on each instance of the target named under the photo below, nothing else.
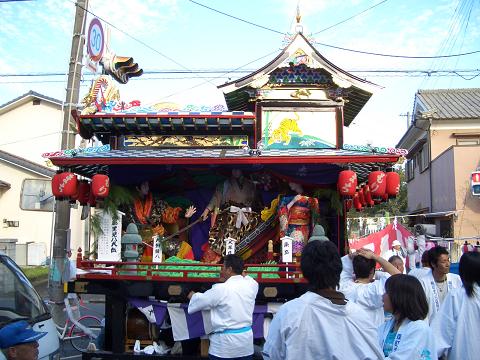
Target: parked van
(20, 301)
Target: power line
(135, 38)
(350, 18)
(398, 56)
(246, 71)
(237, 18)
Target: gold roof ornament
(298, 17)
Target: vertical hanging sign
(157, 249)
(109, 240)
(287, 243)
(230, 246)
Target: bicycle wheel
(79, 339)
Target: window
(36, 195)
(465, 142)
(424, 158)
(410, 169)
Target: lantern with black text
(83, 192)
(476, 183)
(100, 186)
(347, 183)
(356, 202)
(368, 195)
(393, 183)
(64, 185)
(377, 182)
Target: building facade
(444, 149)
(30, 125)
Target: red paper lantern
(100, 185)
(368, 196)
(347, 182)
(74, 197)
(377, 181)
(91, 199)
(356, 202)
(64, 185)
(361, 197)
(393, 184)
(83, 192)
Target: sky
(166, 35)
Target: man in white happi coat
(321, 324)
(424, 270)
(231, 306)
(359, 285)
(456, 326)
(439, 281)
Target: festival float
(174, 188)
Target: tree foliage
(393, 207)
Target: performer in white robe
(406, 336)
(321, 324)
(457, 324)
(231, 306)
(413, 341)
(361, 287)
(424, 270)
(438, 282)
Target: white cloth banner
(109, 240)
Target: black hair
(426, 258)
(469, 269)
(321, 265)
(392, 258)
(435, 253)
(362, 267)
(235, 262)
(407, 297)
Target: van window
(18, 298)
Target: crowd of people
(353, 311)
(350, 311)
(431, 315)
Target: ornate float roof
(170, 122)
(132, 162)
(299, 66)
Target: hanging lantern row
(67, 186)
(380, 187)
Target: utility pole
(61, 240)
(407, 116)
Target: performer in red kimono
(297, 216)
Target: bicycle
(82, 331)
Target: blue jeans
(213, 357)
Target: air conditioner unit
(425, 229)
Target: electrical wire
(237, 18)
(240, 71)
(134, 38)
(350, 18)
(398, 56)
